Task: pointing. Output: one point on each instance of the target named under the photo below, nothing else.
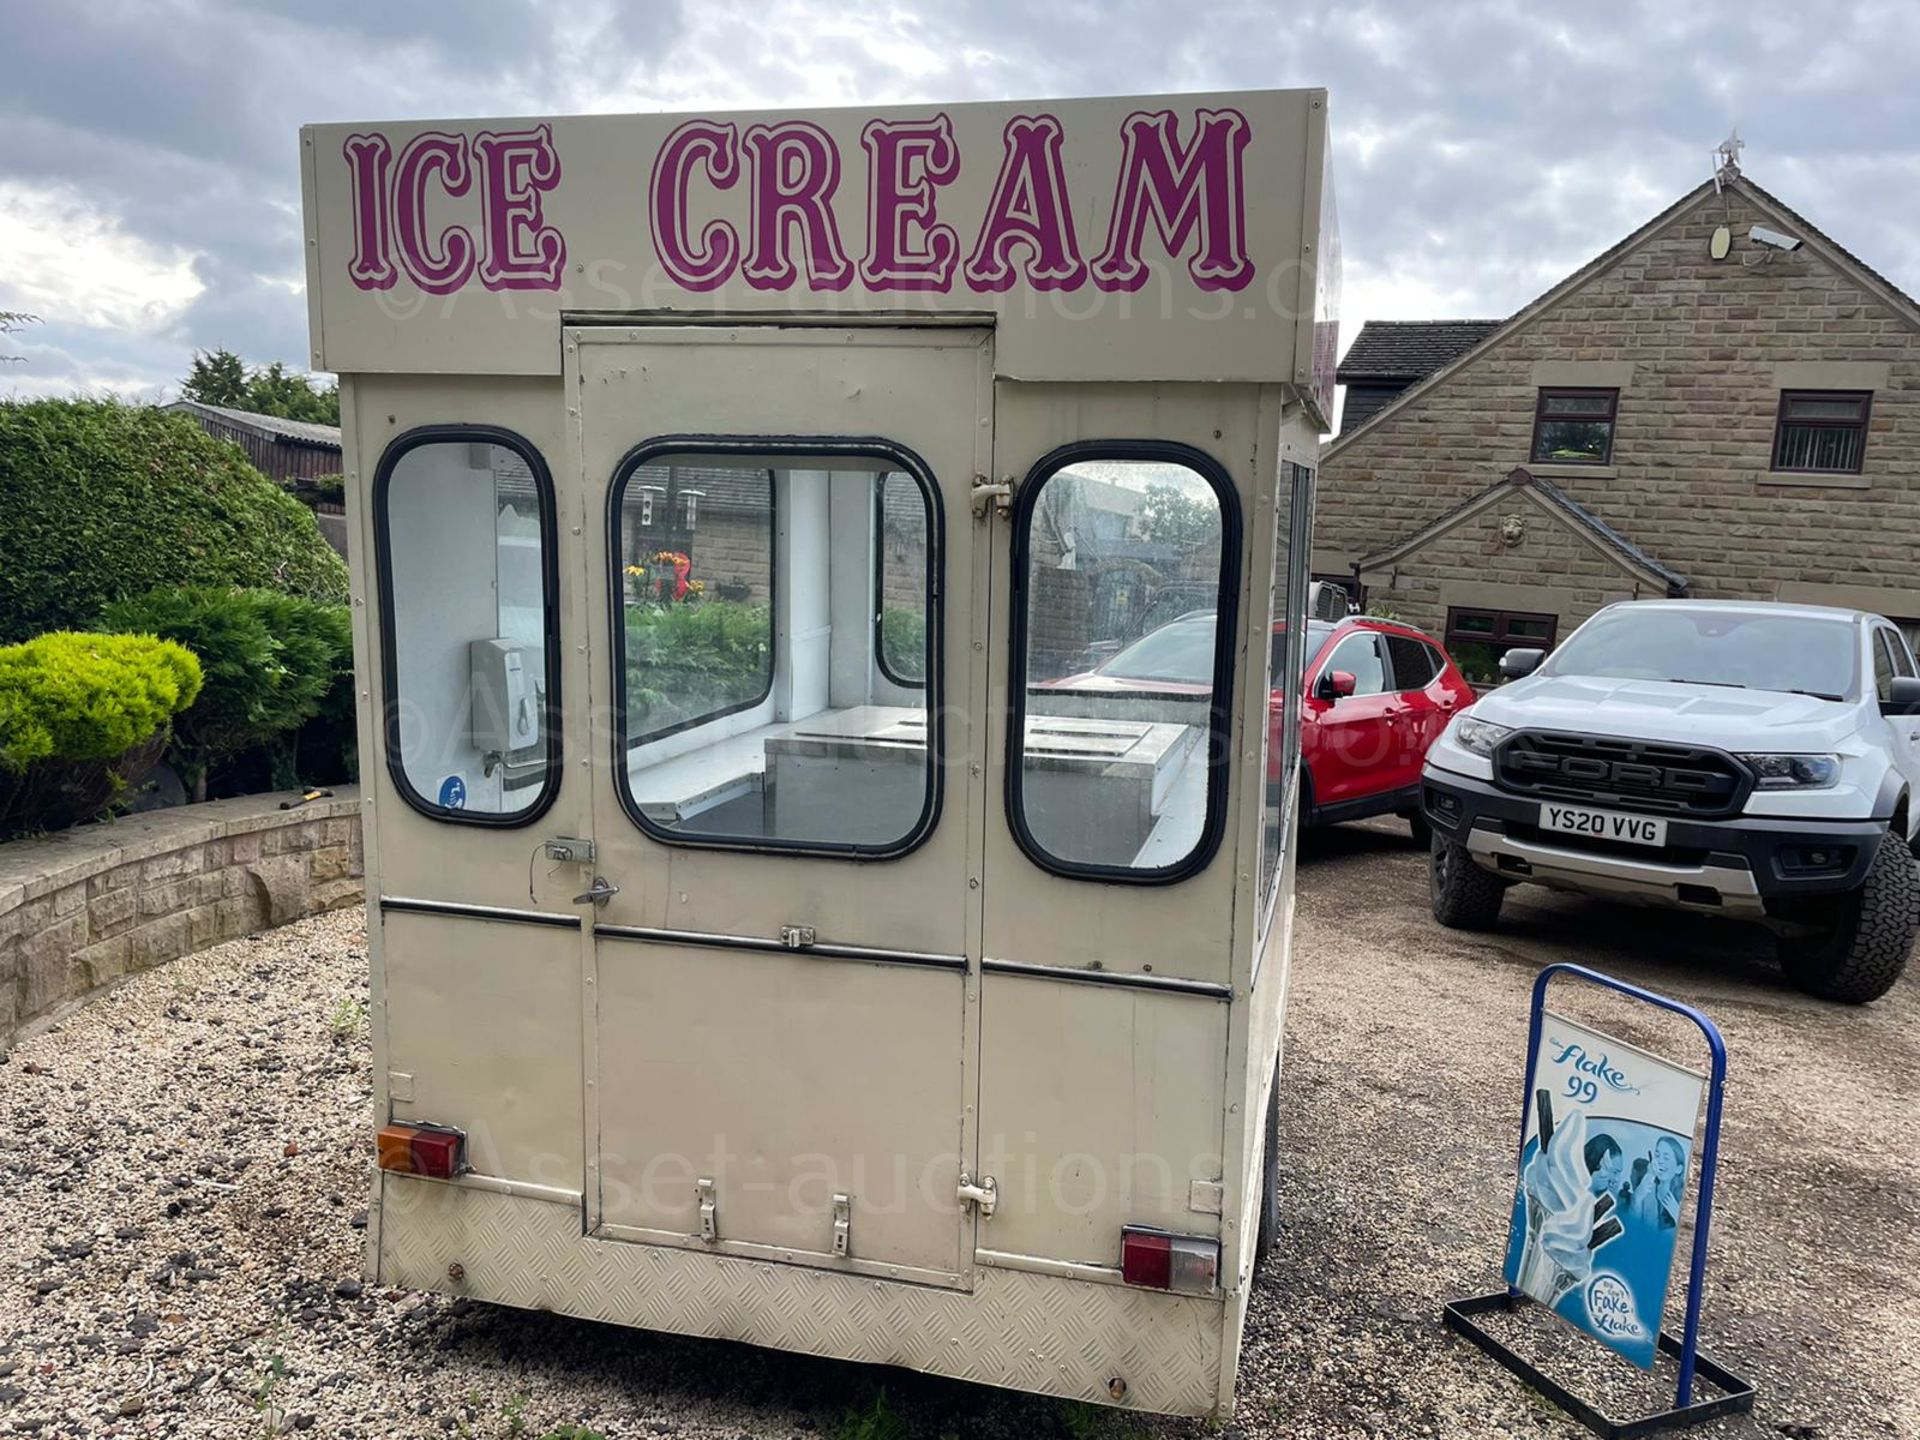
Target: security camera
(1773, 239)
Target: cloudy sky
(1484, 148)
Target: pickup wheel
(1269, 1229)
(1465, 897)
(1868, 935)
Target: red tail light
(1159, 1260)
(435, 1151)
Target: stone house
(720, 519)
(1700, 411)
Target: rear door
(785, 787)
(1111, 825)
(1427, 706)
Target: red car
(1378, 693)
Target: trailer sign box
(1161, 216)
(1603, 1176)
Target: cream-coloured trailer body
(828, 598)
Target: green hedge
(273, 664)
(76, 711)
(100, 501)
(694, 658)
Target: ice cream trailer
(827, 592)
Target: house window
(1574, 427)
(1478, 638)
(1823, 431)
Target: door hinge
(983, 1194)
(709, 1221)
(842, 1224)
(1000, 493)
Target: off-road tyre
(1868, 935)
(1268, 1232)
(1465, 897)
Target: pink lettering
(1199, 189)
(1030, 208)
(517, 168)
(369, 161)
(796, 169)
(706, 263)
(907, 160)
(444, 264)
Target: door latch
(709, 1220)
(842, 1224)
(998, 493)
(983, 1194)
(601, 891)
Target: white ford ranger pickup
(1743, 758)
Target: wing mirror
(1903, 697)
(1517, 663)
(1335, 685)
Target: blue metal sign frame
(1736, 1394)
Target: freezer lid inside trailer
(1169, 238)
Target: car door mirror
(1903, 696)
(1336, 685)
(1517, 663)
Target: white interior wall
(803, 612)
(852, 596)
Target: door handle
(601, 891)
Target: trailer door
(1129, 737)
(786, 791)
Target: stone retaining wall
(80, 909)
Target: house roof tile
(1409, 350)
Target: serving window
(764, 696)
(1125, 568)
(464, 549)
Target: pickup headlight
(1479, 736)
(1795, 772)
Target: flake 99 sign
(1603, 1183)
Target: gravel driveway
(184, 1162)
